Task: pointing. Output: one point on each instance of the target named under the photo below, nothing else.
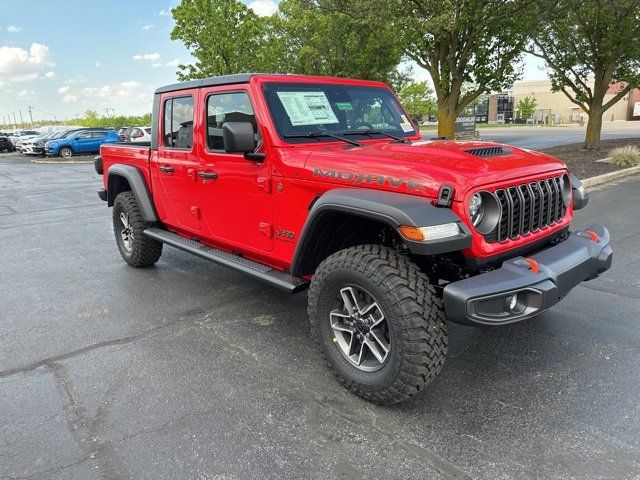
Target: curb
(608, 177)
(62, 162)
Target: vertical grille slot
(526, 208)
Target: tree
(466, 41)
(590, 47)
(526, 106)
(417, 98)
(318, 39)
(224, 37)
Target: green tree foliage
(304, 36)
(318, 39)
(91, 119)
(526, 106)
(224, 37)
(478, 42)
(418, 99)
(590, 46)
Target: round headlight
(476, 209)
(484, 212)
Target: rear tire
(136, 249)
(404, 321)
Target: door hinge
(266, 229)
(264, 183)
(195, 211)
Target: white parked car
(21, 135)
(139, 134)
(28, 146)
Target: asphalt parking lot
(189, 370)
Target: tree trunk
(594, 125)
(446, 122)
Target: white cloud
(173, 63)
(126, 95)
(164, 13)
(264, 8)
(75, 80)
(146, 28)
(150, 57)
(98, 64)
(50, 75)
(13, 29)
(27, 94)
(20, 65)
(156, 65)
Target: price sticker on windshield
(307, 108)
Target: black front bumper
(516, 291)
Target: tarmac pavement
(190, 370)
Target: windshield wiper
(321, 134)
(369, 133)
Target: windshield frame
(270, 88)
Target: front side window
(227, 107)
(302, 108)
(178, 123)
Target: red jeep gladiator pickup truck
(326, 183)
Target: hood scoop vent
(484, 152)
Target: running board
(274, 277)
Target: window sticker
(307, 108)
(344, 105)
(406, 124)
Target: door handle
(166, 169)
(208, 175)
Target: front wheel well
(115, 185)
(333, 231)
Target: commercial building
(552, 107)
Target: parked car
(27, 146)
(80, 141)
(139, 134)
(38, 145)
(19, 135)
(329, 185)
(6, 145)
(121, 132)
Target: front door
(175, 166)
(236, 204)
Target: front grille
(527, 208)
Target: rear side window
(178, 123)
(99, 134)
(227, 107)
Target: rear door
(175, 165)
(237, 203)
(83, 142)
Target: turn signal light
(425, 234)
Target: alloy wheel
(127, 232)
(360, 329)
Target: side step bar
(274, 277)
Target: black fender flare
(393, 209)
(139, 187)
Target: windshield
(299, 109)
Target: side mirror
(238, 137)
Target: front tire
(66, 152)
(379, 299)
(136, 249)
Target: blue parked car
(82, 141)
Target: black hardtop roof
(208, 82)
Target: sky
(64, 58)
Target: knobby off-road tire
(137, 249)
(387, 285)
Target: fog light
(512, 301)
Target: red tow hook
(593, 235)
(533, 265)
